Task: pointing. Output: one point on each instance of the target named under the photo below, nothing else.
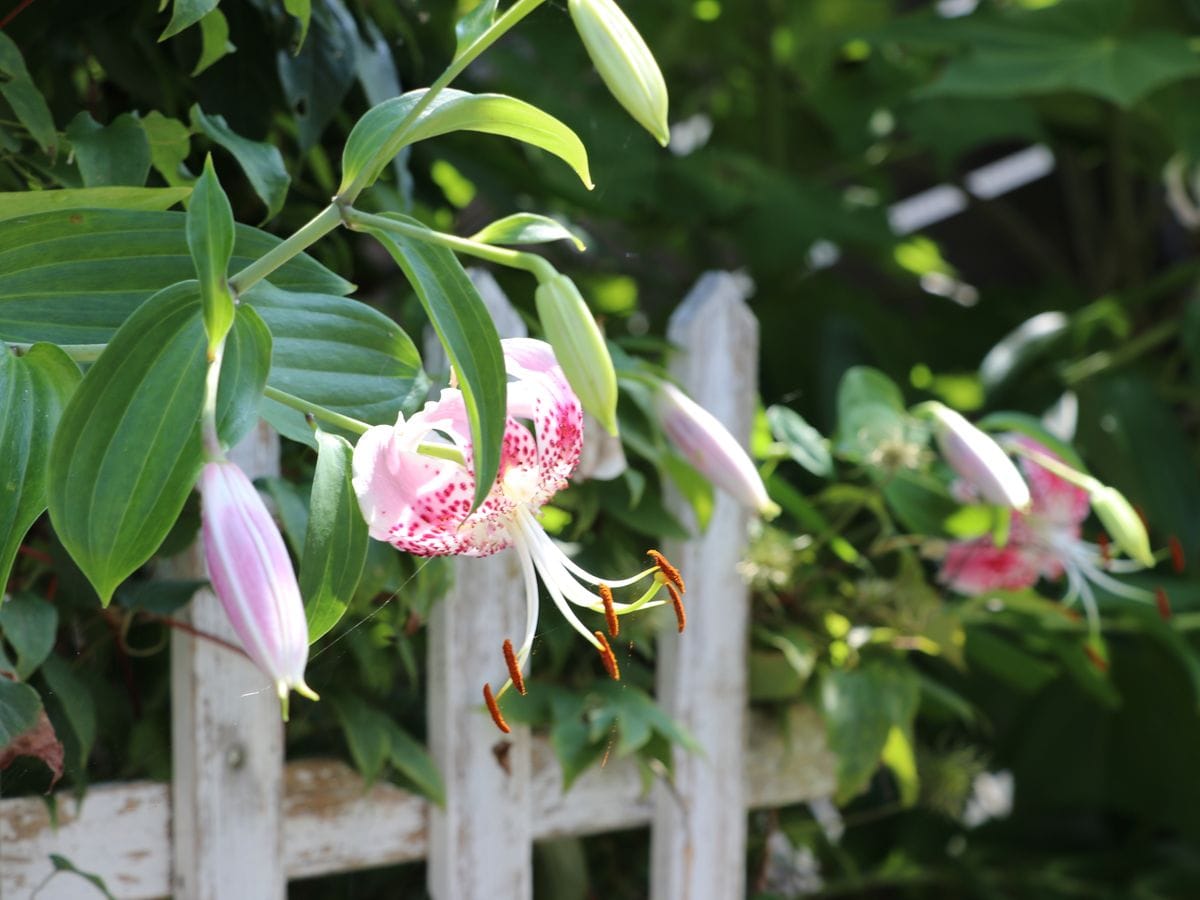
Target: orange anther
(1097, 660)
(668, 571)
(514, 669)
(1105, 548)
(494, 709)
(1177, 558)
(1164, 604)
(608, 658)
(610, 612)
(677, 602)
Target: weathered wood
(227, 743)
(334, 823)
(698, 840)
(480, 845)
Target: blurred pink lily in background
(252, 576)
(415, 482)
(1044, 542)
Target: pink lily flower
(415, 482)
(252, 575)
(1044, 542)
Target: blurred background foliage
(1020, 758)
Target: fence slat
(480, 845)
(227, 744)
(699, 832)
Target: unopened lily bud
(1122, 522)
(978, 459)
(253, 577)
(624, 62)
(579, 347)
(711, 449)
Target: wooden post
(698, 840)
(481, 844)
(227, 743)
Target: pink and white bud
(711, 449)
(252, 576)
(978, 459)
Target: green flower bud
(624, 62)
(579, 347)
(1122, 523)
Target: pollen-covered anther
(1178, 561)
(1163, 603)
(677, 603)
(608, 658)
(668, 571)
(1105, 548)
(494, 709)
(514, 667)
(610, 611)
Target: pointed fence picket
(237, 822)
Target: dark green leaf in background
(185, 13)
(34, 388)
(113, 154)
(23, 96)
(19, 707)
(803, 442)
(170, 142)
(315, 79)
(473, 24)
(244, 373)
(214, 40)
(262, 162)
(28, 624)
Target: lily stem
(315, 410)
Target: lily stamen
(610, 613)
(514, 669)
(608, 657)
(677, 603)
(494, 709)
(668, 571)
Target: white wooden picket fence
(237, 822)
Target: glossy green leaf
(113, 154)
(210, 240)
(26, 203)
(412, 760)
(214, 40)
(860, 707)
(127, 451)
(69, 689)
(465, 329)
(29, 625)
(34, 388)
(367, 734)
(19, 708)
(335, 545)
(302, 11)
(1069, 46)
(25, 99)
(870, 412)
(186, 13)
(244, 372)
(316, 78)
(469, 28)
(385, 128)
(526, 228)
(804, 443)
(338, 353)
(72, 277)
(170, 142)
(262, 162)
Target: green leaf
(210, 240)
(860, 707)
(170, 142)
(19, 708)
(34, 388)
(25, 203)
(315, 80)
(338, 353)
(571, 737)
(527, 228)
(29, 624)
(127, 451)
(72, 277)
(214, 40)
(898, 756)
(186, 13)
(302, 10)
(244, 373)
(804, 443)
(23, 96)
(113, 154)
(62, 864)
(471, 26)
(1074, 45)
(367, 732)
(262, 162)
(384, 129)
(465, 329)
(1007, 661)
(870, 412)
(410, 758)
(335, 545)
(71, 691)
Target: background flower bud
(624, 62)
(711, 449)
(1122, 523)
(978, 459)
(579, 347)
(252, 576)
